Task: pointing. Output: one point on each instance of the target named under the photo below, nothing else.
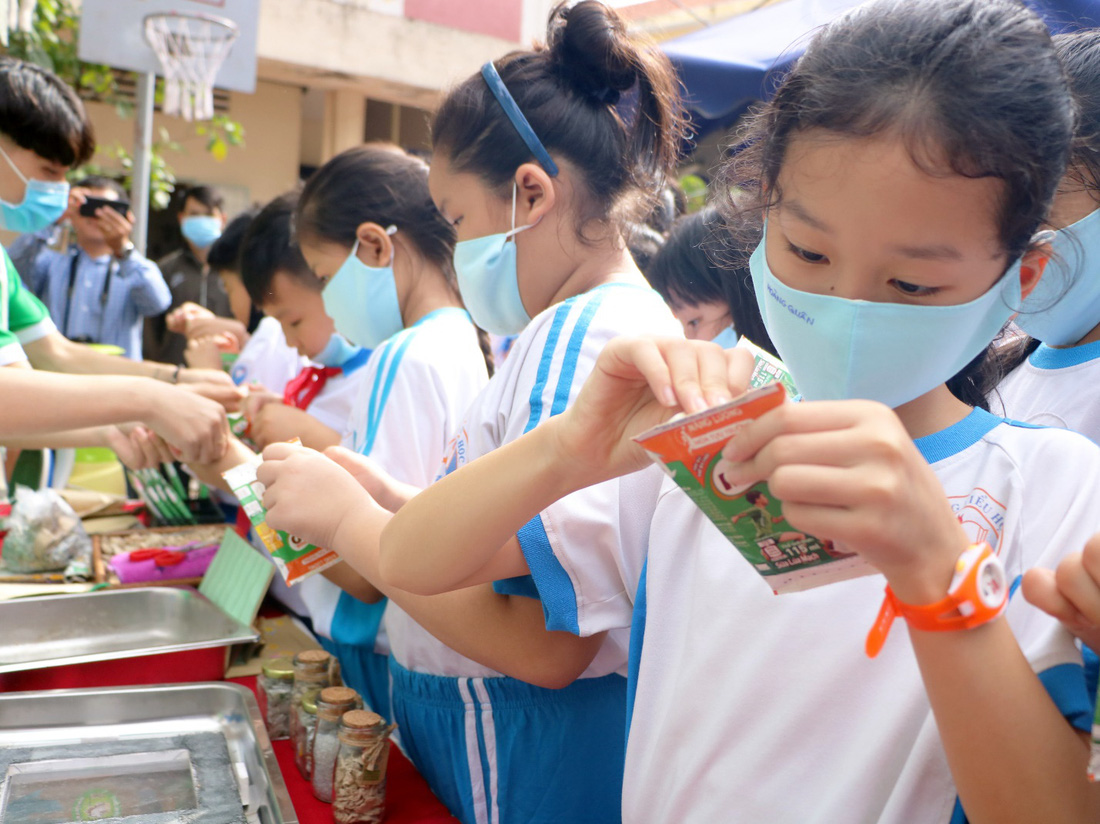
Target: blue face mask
(338, 351)
(1065, 304)
(489, 282)
(362, 300)
(838, 349)
(202, 230)
(43, 203)
(727, 338)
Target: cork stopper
(339, 695)
(278, 668)
(312, 656)
(361, 719)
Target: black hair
(208, 196)
(268, 249)
(689, 270)
(103, 183)
(225, 252)
(378, 183)
(41, 113)
(753, 495)
(645, 239)
(973, 85)
(568, 91)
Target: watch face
(992, 584)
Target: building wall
(264, 167)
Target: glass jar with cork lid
(276, 683)
(359, 795)
(311, 672)
(332, 703)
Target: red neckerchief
(301, 390)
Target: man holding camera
(101, 288)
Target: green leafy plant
(52, 43)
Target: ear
(1032, 265)
(536, 195)
(375, 246)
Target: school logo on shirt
(457, 452)
(982, 516)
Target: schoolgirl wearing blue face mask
(1055, 377)
(532, 164)
(367, 228)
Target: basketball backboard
(113, 32)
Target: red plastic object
(145, 554)
(167, 558)
(166, 668)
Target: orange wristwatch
(977, 595)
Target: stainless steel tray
(64, 630)
(74, 716)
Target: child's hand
(848, 471)
(178, 319)
(306, 494)
(1071, 593)
(638, 383)
(274, 422)
(203, 353)
(390, 493)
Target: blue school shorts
(500, 751)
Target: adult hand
(193, 425)
(78, 196)
(228, 394)
(638, 383)
(115, 227)
(178, 318)
(138, 447)
(306, 493)
(1071, 593)
(848, 471)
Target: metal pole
(143, 158)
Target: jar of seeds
(332, 703)
(359, 796)
(311, 672)
(276, 682)
(307, 724)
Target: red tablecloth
(408, 798)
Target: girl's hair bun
(591, 50)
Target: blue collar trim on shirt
(1047, 357)
(356, 361)
(957, 437)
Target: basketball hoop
(191, 49)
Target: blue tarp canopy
(726, 66)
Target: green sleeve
(24, 310)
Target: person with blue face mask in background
(201, 219)
(532, 165)
(711, 302)
(1054, 374)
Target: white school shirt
(440, 372)
(267, 359)
(764, 709)
(1054, 387)
(545, 369)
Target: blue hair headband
(508, 103)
